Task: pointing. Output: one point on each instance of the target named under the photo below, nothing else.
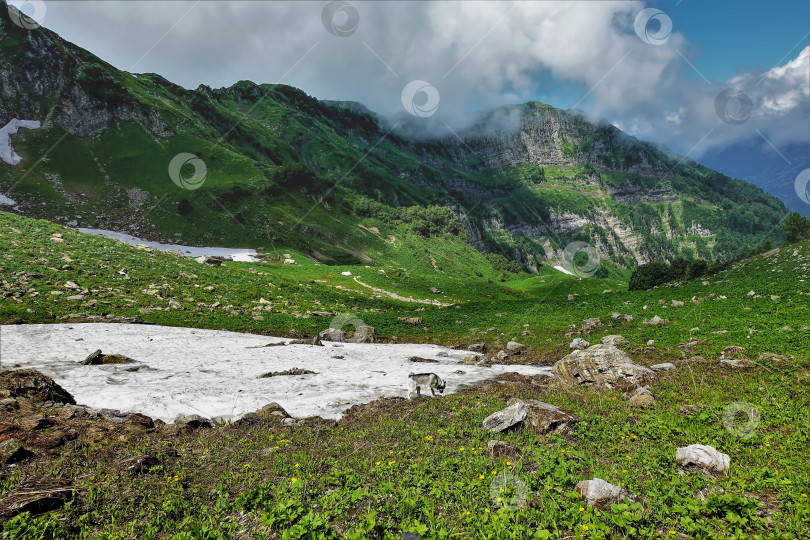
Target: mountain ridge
(283, 167)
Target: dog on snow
(417, 381)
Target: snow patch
(215, 373)
(5, 201)
(563, 270)
(7, 153)
(242, 255)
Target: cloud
(476, 54)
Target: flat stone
(506, 418)
(666, 366)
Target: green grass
(397, 466)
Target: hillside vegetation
(395, 465)
(286, 171)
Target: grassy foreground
(395, 466)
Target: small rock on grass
(614, 340)
(601, 494)
(666, 366)
(702, 458)
(500, 449)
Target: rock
(136, 465)
(544, 417)
(589, 325)
(346, 273)
(500, 449)
(416, 321)
(780, 360)
(614, 340)
(32, 384)
(434, 290)
(615, 315)
(579, 344)
(93, 358)
(291, 371)
(751, 293)
(697, 359)
(502, 355)
(677, 303)
(601, 366)
(290, 261)
(650, 343)
(363, 334)
(641, 390)
(666, 366)
(689, 409)
(317, 341)
(737, 363)
(629, 318)
(272, 410)
(422, 360)
(192, 421)
(514, 346)
(9, 405)
(478, 347)
(212, 261)
(705, 459)
(174, 304)
(734, 356)
(507, 418)
(642, 401)
(97, 358)
(601, 494)
(655, 321)
(11, 451)
(333, 334)
(473, 360)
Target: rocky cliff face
(46, 79)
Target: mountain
(333, 181)
(763, 166)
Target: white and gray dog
(427, 380)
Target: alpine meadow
(386, 291)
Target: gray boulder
(666, 366)
(602, 366)
(514, 346)
(702, 458)
(614, 340)
(601, 494)
(579, 344)
(363, 334)
(507, 418)
(333, 334)
(544, 417)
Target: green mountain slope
(285, 171)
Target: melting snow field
(5, 201)
(245, 255)
(215, 373)
(7, 153)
